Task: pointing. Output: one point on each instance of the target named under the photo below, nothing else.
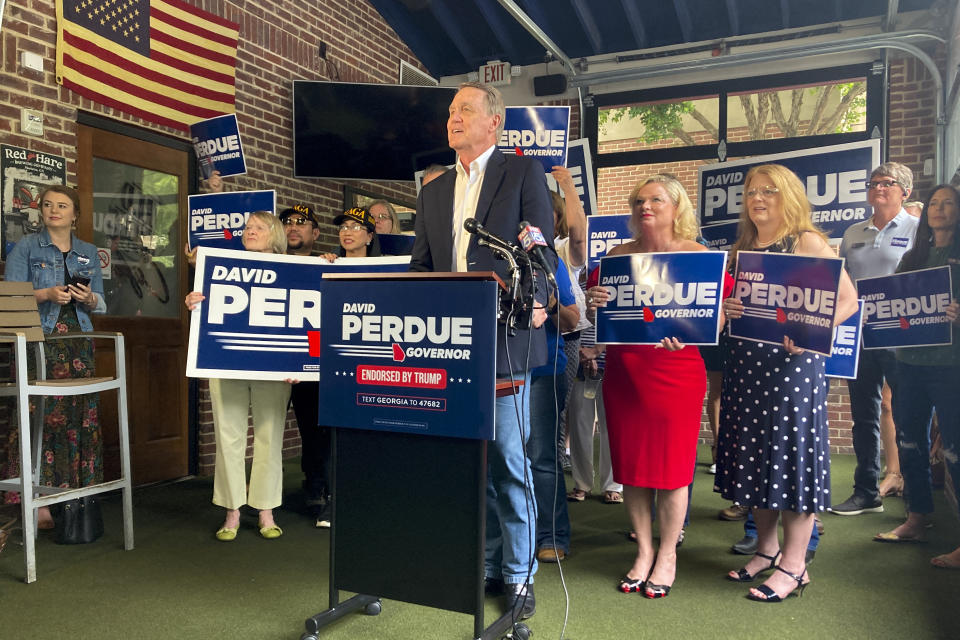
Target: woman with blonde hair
(774, 452)
(266, 401)
(653, 395)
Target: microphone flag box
(217, 219)
(260, 319)
(603, 234)
(845, 354)
(410, 356)
(661, 295)
(906, 309)
(216, 142)
(537, 132)
(787, 295)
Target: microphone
(472, 226)
(531, 239)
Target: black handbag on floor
(78, 521)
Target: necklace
(764, 245)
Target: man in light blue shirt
(873, 248)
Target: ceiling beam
(413, 35)
(636, 23)
(450, 23)
(890, 21)
(499, 26)
(537, 32)
(582, 9)
(683, 17)
(733, 16)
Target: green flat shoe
(227, 534)
(271, 532)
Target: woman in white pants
(266, 401)
(580, 420)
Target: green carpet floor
(180, 583)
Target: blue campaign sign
(661, 295)
(218, 147)
(906, 309)
(217, 219)
(412, 356)
(721, 235)
(581, 170)
(835, 178)
(603, 234)
(261, 316)
(845, 354)
(787, 295)
(538, 132)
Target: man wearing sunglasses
(873, 248)
(300, 224)
(302, 229)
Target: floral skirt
(72, 449)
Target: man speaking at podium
(499, 191)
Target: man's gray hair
(899, 172)
(493, 99)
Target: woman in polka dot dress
(774, 453)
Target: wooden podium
(408, 514)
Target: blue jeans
(511, 508)
(920, 390)
(750, 531)
(547, 397)
(875, 366)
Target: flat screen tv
(357, 131)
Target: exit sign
(495, 73)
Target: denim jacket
(36, 259)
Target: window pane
(658, 125)
(614, 184)
(135, 215)
(802, 110)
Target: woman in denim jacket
(68, 286)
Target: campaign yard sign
(834, 176)
(538, 132)
(217, 219)
(906, 309)
(261, 316)
(410, 356)
(217, 144)
(720, 236)
(787, 295)
(661, 295)
(581, 170)
(603, 234)
(844, 357)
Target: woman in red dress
(653, 396)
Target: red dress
(653, 400)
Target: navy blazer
(514, 189)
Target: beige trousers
(232, 401)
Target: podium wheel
(372, 609)
(309, 636)
(520, 631)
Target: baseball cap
(359, 215)
(302, 210)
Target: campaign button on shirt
(898, 241)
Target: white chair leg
(26, 490)
(124, 447)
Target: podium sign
(409, 356)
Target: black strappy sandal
(631, 585)
(771, 596)
(745, 576)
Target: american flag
(165, 61)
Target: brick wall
(279, 42)
(912, 120)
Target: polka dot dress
(773, 449)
